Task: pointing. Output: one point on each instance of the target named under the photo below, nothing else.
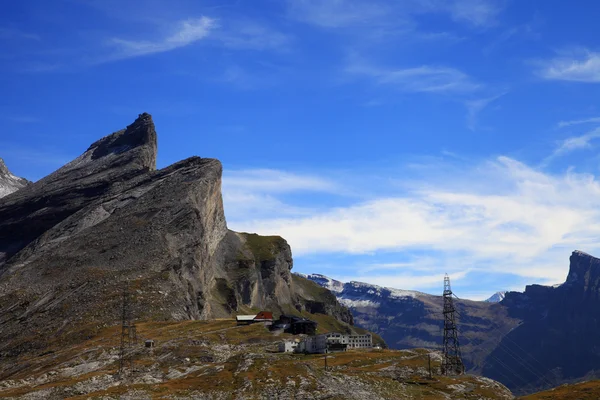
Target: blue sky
(387, 141)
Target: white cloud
(254, 192)
(275, 181)
(373, 13)
(184, 34)
(247, 34)
(425, 78)
(563, 124)
(481, 13)
(573, 143)
(579, 66)
(500, 217)
(474, 107)
(339, 13)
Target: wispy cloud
(474, 107)
(563, 124)
(184, 34)
(573, 143)
(425, 78)
(480, 13)
(340, 13)
(260, 192)
(277, 181)
(11, 34)
(578, 66)
(502, 217)
(374, 13)
(20, 119)
(251, 35)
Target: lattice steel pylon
(452, 363)
(128, 334)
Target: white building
(352, 341)
(360, 341)
(288, 346)
(313, 345)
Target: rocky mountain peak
(141, 133)
(496, 297)
(584, 269)
(71, 240)
(3, 168)
(8, 182)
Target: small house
(263, 316)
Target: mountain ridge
(71, 241)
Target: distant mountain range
(543, 337)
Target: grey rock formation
(557, 341)
(8, 182)
(69, 242)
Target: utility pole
(452, 363)
(128, 334)
(429, 360)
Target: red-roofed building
(263, 316)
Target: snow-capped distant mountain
(325, 281)
(8, 182)
(496, 297)
(359, 294)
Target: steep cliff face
(109, 167)
(8, 182)
(558, 339)
(69, 242)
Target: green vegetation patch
(264, 248)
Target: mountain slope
(408, 319)
(70, 241)
(558, 341)
(218, 360)
(8, 182)
(538, 339)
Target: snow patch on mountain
(356, 303)
(496, 297)
(9, 183)
(326, 282)
(360, 294)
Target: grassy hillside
(581, 391)
(219, 360)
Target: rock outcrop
(557, 341)
(70, 242)
(8, 182)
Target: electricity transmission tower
(452, 361)
(128, 334)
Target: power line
(514, 355)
